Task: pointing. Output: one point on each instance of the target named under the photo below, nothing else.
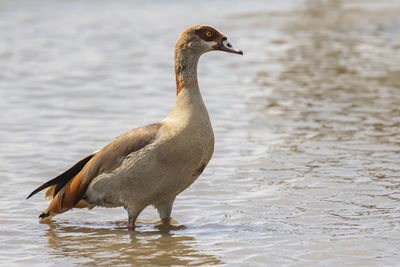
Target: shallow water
(306, 164)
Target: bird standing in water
(152, 164)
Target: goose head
(200, 39)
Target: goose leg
(164, 210)
(133, 213)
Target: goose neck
(186, 62)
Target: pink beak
(227, 47)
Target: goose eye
(208, 34)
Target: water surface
(306, 164)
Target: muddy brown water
(306, 167)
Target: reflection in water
(110, 246)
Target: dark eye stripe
(202, 33)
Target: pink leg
(166, 221)
(164, 209)
(131, 226)
(132, 216)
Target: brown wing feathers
(67, 198)
(68, 188)
(63, 178)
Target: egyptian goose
(152, 164)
